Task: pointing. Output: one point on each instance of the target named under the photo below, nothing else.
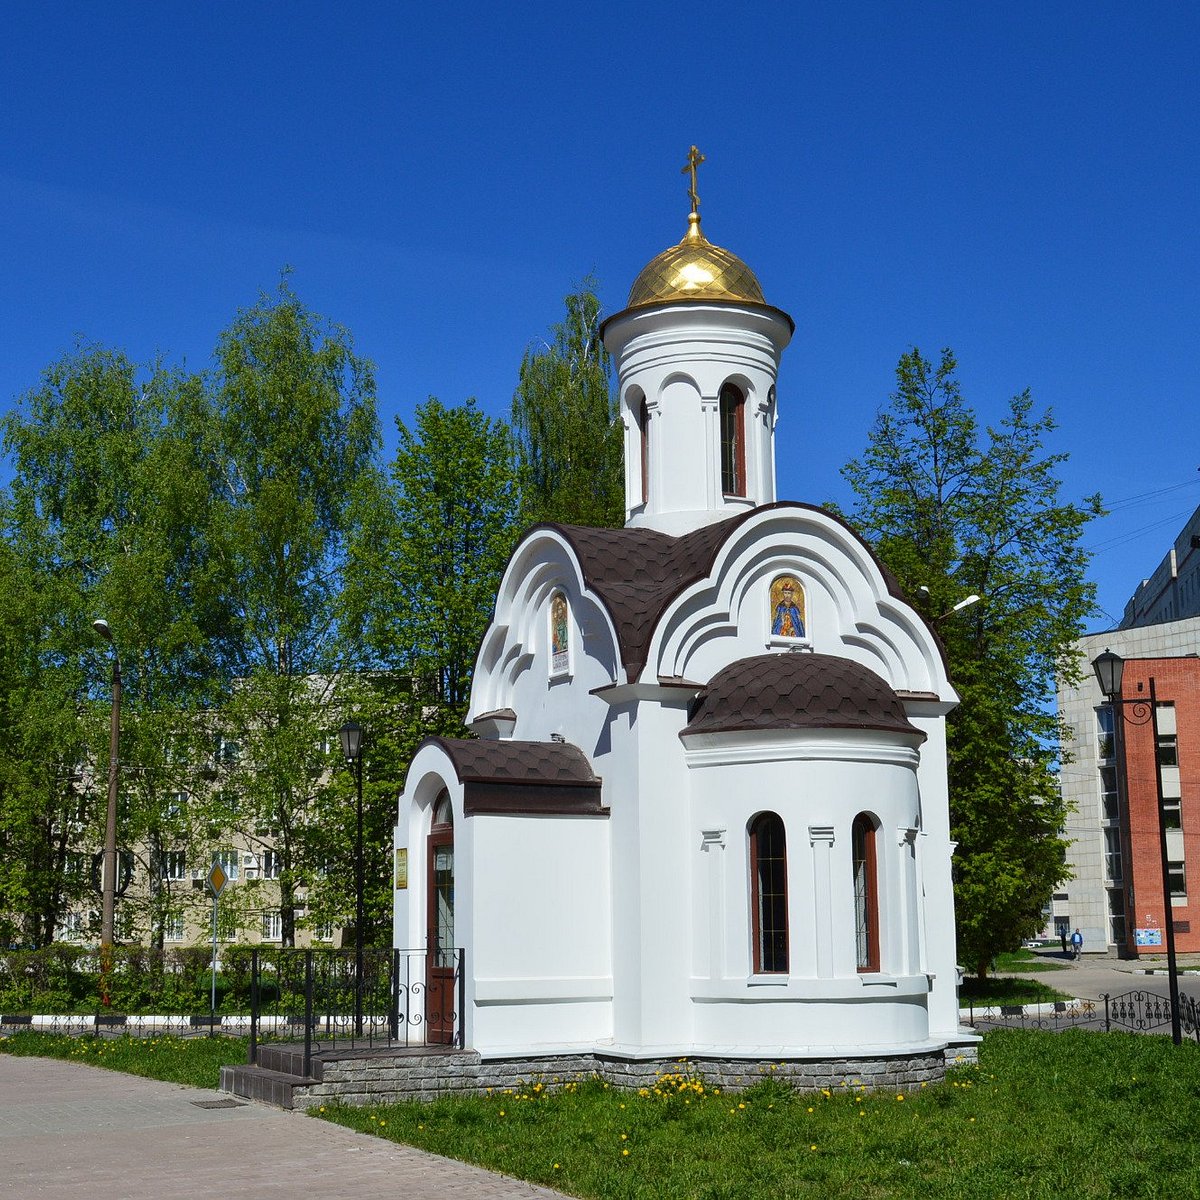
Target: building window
(643, 420)
(733, 441)
(866, 894)
(1116, 916)
(1168, 748)
(323, 931)
(272, 864)
(229, 863)
(173, 865)
(272, 925)
(1105, 738)
(1172, 812)
(1177, 878)
(1112, 855)
(173, 927)
(228, 928)
(768, 887)
(1109, 800)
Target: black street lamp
(352, 740)
(1110, 669)
(109, 885)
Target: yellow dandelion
(625, 1153)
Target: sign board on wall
(1147, 937)
(401, 869)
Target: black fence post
(254, 1006)
(394, 997)
(308, 1012)
(462, 998)
(1107, 1021)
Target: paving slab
(75, 1132)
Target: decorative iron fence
(402, 998)
(1137, 1011)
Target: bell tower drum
(697, 351)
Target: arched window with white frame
(768, 894)
(866, 893)
(733, 440)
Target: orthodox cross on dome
(694, 159)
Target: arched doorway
(441, 958)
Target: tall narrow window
(768, 887)
(866, 894)
(733, 441)
(644, 428)
(1168, 748)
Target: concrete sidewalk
(73, 1132)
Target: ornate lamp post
(1110, 668)
(351, 735)
(109, 888)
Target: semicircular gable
(543, 562)
(852, 609)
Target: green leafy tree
(293, 432)
(106, 515)
(954, 509)
(433, 554)
(567, 423)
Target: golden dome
(694, 270)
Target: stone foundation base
(389, 1078)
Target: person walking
(1077, 943)
(1062, 933)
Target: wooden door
(441, 957)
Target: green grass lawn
(1029, 961)
(1068, 1116)
(1060, 1116)
(996, 989)
(993, 991)
(192, 1060)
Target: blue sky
(1016, 181)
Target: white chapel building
(706, 811)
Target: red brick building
(1115, 895)
(1177, 755)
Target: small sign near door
(402, 868)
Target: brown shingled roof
(486, 760)
(523, 778)
(797, 691)
(638, 572)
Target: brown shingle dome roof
(798, 691)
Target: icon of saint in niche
(559, 656)
(787, 607)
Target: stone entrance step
(348, 1073)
